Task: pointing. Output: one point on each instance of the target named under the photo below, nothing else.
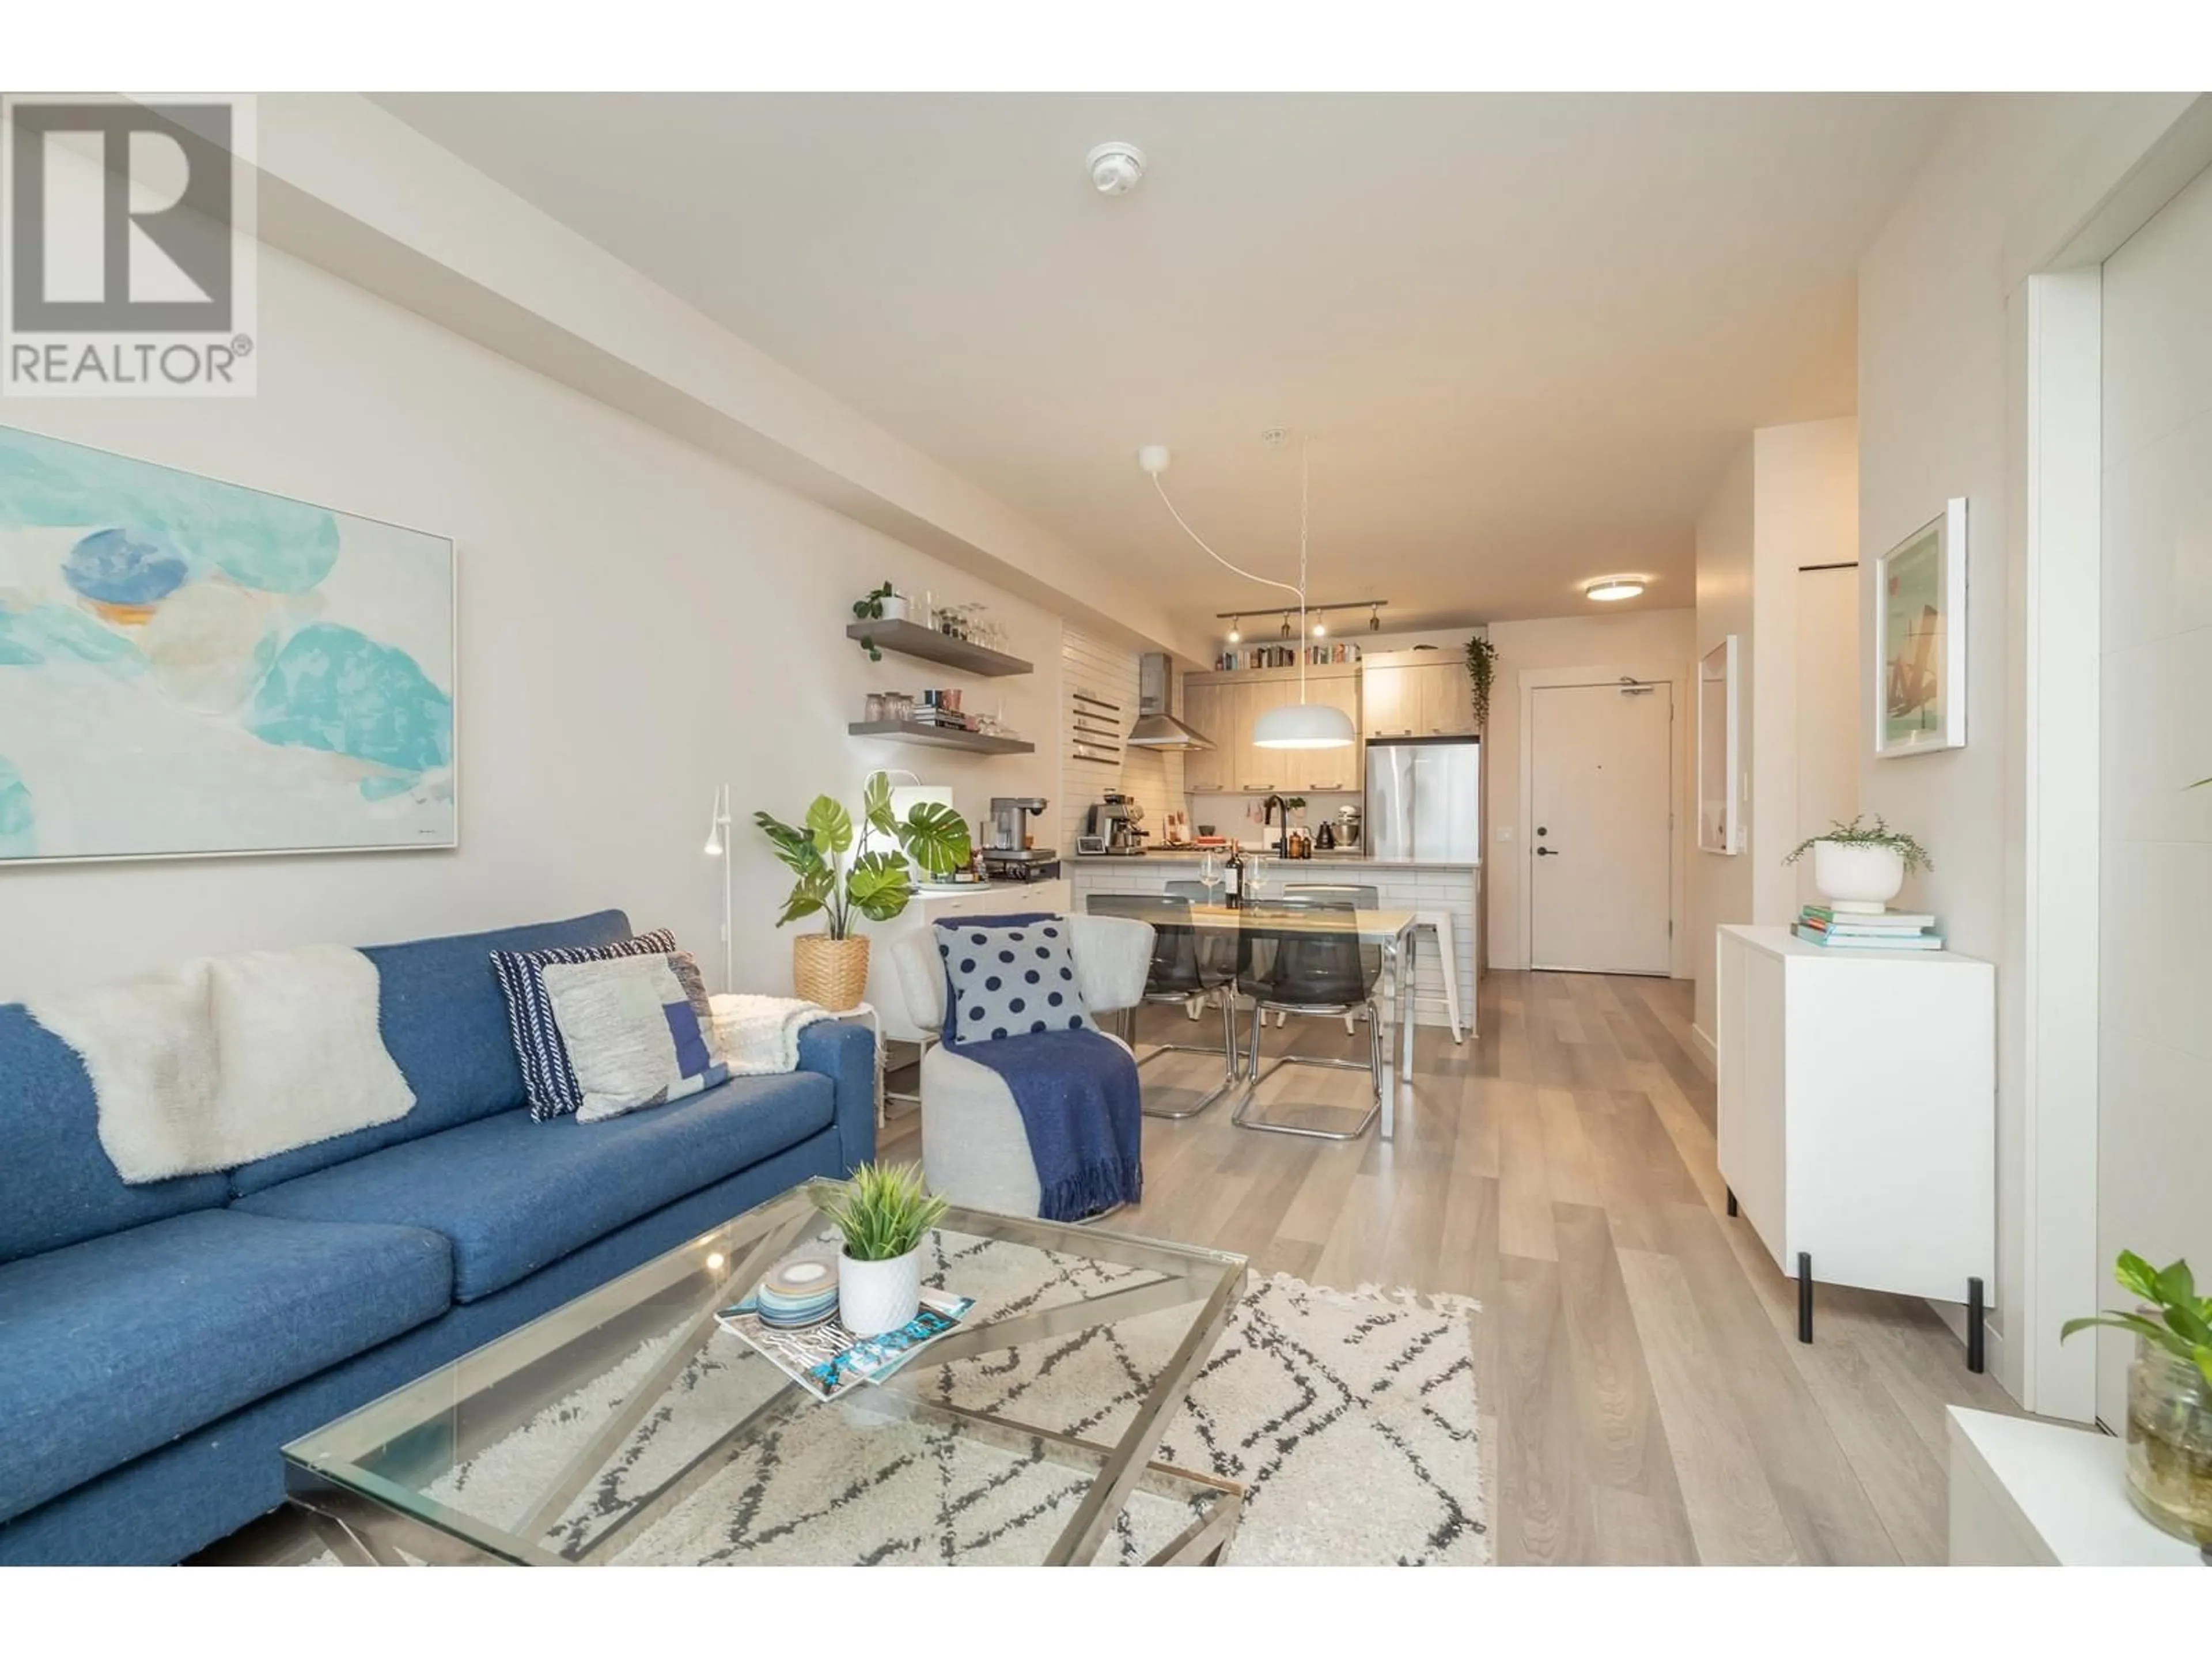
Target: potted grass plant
(2169, 1393)
(884, 1212)
(844, 880)
(1859, 865)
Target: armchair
(974, 1149)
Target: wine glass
(1209, 875)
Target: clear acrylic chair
(1302, 954)
(1190, 960)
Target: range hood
(1157, 728)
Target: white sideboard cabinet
(1859, 1116)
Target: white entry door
(1600, 829)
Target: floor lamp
(717, 846)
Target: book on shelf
(826, 1359)
(1893, 941)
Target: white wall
(1941, 378)
(638, 622)
(1787, 500)
(1634, 639)
(1721, 883)
(2154, 1045)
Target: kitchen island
(1454, 891)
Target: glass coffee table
(626, 1426)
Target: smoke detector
(1115, 167)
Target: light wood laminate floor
(1645, 1396)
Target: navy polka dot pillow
(1008, 976)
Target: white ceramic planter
(875, 1297)
(1854, 877)
(894, 607)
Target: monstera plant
(848, 872)
(839, 884)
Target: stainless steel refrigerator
(1424, 801)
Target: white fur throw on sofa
(224, 1059)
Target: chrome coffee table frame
(368, 1518)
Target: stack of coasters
(800, 1290)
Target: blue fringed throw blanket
(1080, 1104)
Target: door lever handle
(1547, 852)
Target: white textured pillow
(632, 1031)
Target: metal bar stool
(1187, 961)
(1302, 954)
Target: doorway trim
(1676, 676)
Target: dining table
(1392, 931)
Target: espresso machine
(1113, 826)
(1007, 853)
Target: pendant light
(1300, 724)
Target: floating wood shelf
(911, 639)
(940, 737)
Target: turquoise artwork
(189, 666)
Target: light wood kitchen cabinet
(1206, 708)
(1442, 705)
(1226, 709)
(1390, 699)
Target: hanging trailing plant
(1481, 666)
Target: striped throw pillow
(549, 1082)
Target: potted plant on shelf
(843, 884)
(882, 603)
(1860, 866)
(884, 1212)
(2169, 1394)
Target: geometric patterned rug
(1350, 1418)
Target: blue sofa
(158, 1343)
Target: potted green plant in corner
(1860, 866)
(884, 1212)
(845, 883)
(2169, 1394)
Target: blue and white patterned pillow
(631, 1028)
(549, 1082)
(1009, 976)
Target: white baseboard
(1705, 1044)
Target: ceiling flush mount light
(1301, 725)
(1115, 167)
(1607, 589)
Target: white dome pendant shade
(1302, 726)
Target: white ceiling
(1520, 332)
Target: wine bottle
(1232, 887)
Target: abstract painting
(1920, 638)
(192, 667)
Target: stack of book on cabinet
(1867, 930)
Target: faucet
(1268, 817)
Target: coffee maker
(1007, 853)
(1112, 825)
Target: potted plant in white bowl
(884, 1213)
(843, 885)
(1860, 866)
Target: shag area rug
(1350, 1419)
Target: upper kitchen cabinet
(1390, 698)
(1227, 707)
(1207, 709)
(1443, 703)
(1424, 698)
